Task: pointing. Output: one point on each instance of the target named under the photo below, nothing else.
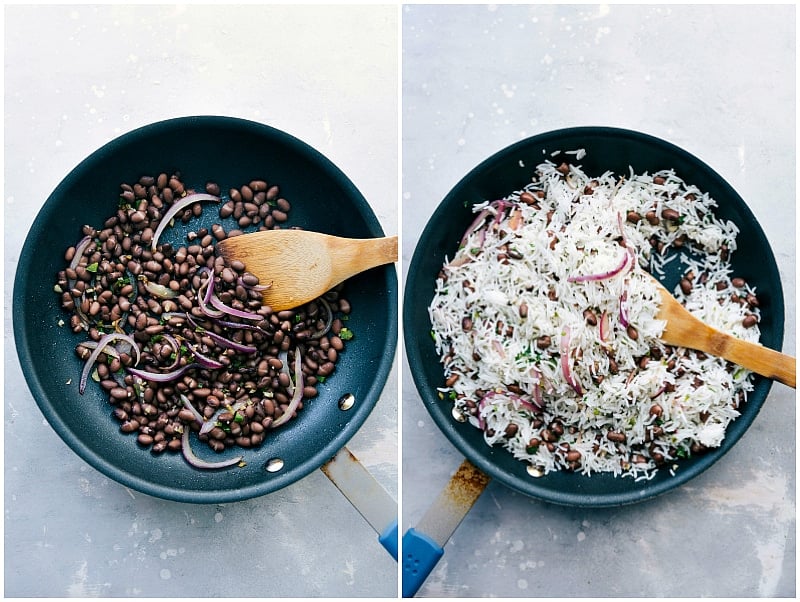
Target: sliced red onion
(253, 287)
(328, 321)
(108, 349)
(474, 226)
(157, 290)
(566, 366)
(621, 224)
(537, 396)
(163, 377)
(297, 396)
(238, 325)
(219, 339)
(605, 326)
(204, 360)
(209, 424)
(524, 403)
(76, 259)
(537, 388)
(245, 315)
(173, 342)
(204, 296)
(101, 345)
(188, 405)
(192, 459)
(533, 407)
(626, 258)
(500, 205)
(168, 315)
(176, 208)
(481, 405)
(283, 355)
(623, 310)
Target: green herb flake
(345, 334)
(92, 267)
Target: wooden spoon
(299, 265)
(685, 330)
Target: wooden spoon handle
(761, 360)
(685, 330)
(691, 332)
(352, 256)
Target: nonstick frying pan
(231, 152)
(607, 149)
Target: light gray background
(78, 76)
(718, 81)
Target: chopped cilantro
(345, 334)
(92, 267)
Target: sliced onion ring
(245, 315)
(221, 340)
(297, 396)
(76, 259)
(253, 287)
(108, 349)
(101, 344)
(192, 459)
(605, 326)
(328, 321)
(158, 290)
(566, 367)
(189, 406)
(204, 296)
(163, 377)
(208, 425)
(626, 259)
(176, 208)
(173, 342)
(204, 360)
(623, 310)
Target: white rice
(517, 253)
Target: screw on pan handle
(424, 546)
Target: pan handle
(388, 538)
(366, 495)
(424, 546)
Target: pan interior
(607, 149)
(231, 152)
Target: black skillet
(231, 152)
(510, 169)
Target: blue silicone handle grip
(389, 539)
(420, 555)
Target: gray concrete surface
(718, 81)
(78, 76)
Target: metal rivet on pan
(458, 414)
(535, 471)
(274, 465)
(347, 401)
